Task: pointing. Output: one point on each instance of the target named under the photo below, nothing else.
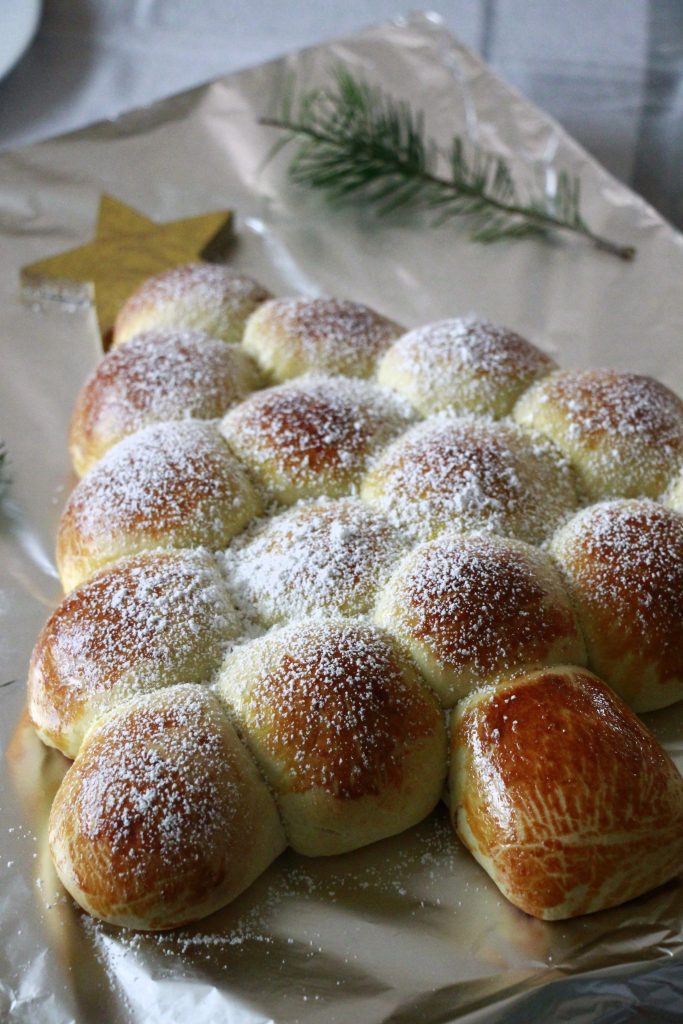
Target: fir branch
(354, 141)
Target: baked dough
(471, 474)
(473, 608)
(622, 561)
(288, 337)
(172, 485)
(196, 296)
(319, 559)
(348, 737)
(158, 376)
(162, 818)
(466, 364)
(562, 795)
(140, 625)
(623, 433)
(313, 436)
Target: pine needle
(355, 142)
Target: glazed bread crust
(562, 795)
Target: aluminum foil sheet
(408, 930)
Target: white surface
(18, 24)
(584, 62)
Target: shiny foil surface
(408, 930)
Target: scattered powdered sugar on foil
(318, 559)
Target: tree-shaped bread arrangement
(318, 567)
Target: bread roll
(162, 818)
(325, 558)
(623, 565)
(197, 296)
(471, 474)
(350, 741)
(467, 365)
(472, 609)
(288, 337)
(172, 485)
(562, 795)
(623, 433)
(145, 623)
(160, 375)
(314, 436)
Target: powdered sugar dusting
(318, 559)
(468, 364)
(155, 619)
(332, 704)
(480, 605)
(159, 375)
(315, 435)
(175, 484)
(293, 335)
(628, 554)
(623, 431)
(471, 474)
(201, 295)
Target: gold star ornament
(128, 248)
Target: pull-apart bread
(319, 571)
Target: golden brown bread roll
(471, 474)
(622, 432)
(147, 622)
(197, 296)
(622, 562)
(158, 376)
(288, 337)
(322, 558)
(162, 818)
(562, 795)
(172, 485)
(467, 365)
(349, 739)
(472, 609)
(313, 436)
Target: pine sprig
(356, 142)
